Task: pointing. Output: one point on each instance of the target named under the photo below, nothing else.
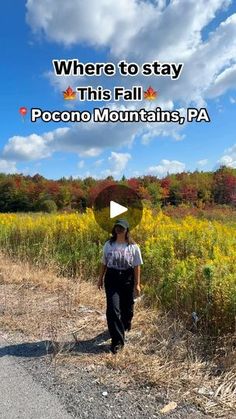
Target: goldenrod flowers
(189, 264)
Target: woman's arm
(101, 276)
(138, 261)
(137, 288)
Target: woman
(120, 274)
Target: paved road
(20, 396)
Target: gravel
(81, 390)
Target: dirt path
(55, 330)
(80, 389)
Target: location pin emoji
(23, 112)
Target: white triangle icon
(116, 209)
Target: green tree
(64, 197)
(154, 190)
(48, 206)
(7, 195)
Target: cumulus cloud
(138, 30)
(141, 31)
(7, 167)
(117, 163)
(32, 147)
(225, 81)
(76, 21)
(165, 167)
(229, 158)
(125, 24)
(88, 140)
(61, 83)
(173, 130)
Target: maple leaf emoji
(69, 94)
(150, 94)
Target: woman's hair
(113, 237)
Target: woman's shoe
(128, 328)
(116, 348)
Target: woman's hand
(101, 276)
(100, 283)
(137, 291)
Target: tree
(154, 190)
(64, 197)
(7, 195)
(48, 206)
(21, 203)
(224, 185)
(133, 183)
(174, 192)
(165, 190)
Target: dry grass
(39, 305)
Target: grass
(38, 305)
(189, 263)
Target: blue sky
(202, 36)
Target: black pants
(119, 287)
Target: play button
(116, 209)
(114, 200)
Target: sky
(201, 34)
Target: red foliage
(133, 183)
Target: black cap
(123, 223)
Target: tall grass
(189, 264)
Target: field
(189, 263)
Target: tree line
(19, 193)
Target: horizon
(122, 177)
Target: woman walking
(120, 274)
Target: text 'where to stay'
(74, 67)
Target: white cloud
(140, 30)
(166, 166)
(171, 129)
(134, 30)
(117, 163)
(98, 23)
(32, 147)
(7, 166)
(225, 81)
(125, 24)
(61, 83)
(88, 140)
(202, 162)
(229, 158)
(232, 100)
